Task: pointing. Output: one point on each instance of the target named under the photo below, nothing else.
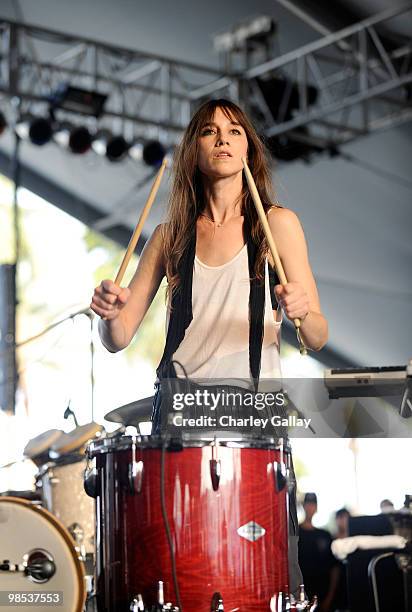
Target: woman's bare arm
(123, 310)
(299, 297)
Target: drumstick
(138, 229)
(278, 264)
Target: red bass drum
(209, 518)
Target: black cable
(167, 526)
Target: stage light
(117, 148)
(77, 139)
(62, 133)
(100, 140)
(136, 149)
(3, 123)
(40, 131)
(153, 153)
(80, 140)
(79, 100)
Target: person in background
(386, 506)
(317, 563)
(342, 523)
(340, 601)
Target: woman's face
(222, 144)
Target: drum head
(42, 443)
(76, 439)
(27, 530)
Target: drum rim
(114, 443)
(60, 462)
(80, 572)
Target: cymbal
(76, 439)
(132, 413)
(42, 443)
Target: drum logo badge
(251, 531)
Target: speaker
(8, 369)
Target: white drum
(61, 486)
(40, 557)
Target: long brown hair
(186, 200)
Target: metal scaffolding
(362, 83)
(362, 77)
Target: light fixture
(117, 148)
(40, 131)
(100, 140)
(62, 133)
(136, 149)
(80, 140)
(153, 153)
(78, 100)
(77, 139)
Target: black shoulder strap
(181, 313)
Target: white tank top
(216, 342)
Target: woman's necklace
(211, 220)
(215, 223)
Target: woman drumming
(223, 321)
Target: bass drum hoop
(80, 574)
(115, 443)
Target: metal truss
(363, 82)
(147, 94)
(363, 78)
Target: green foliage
(149, 340)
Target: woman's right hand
(109, 299)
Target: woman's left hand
(293, 299)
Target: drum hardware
(215, 466)
(137, 604)
(135, 472)
(160, 593)
(282, 602)
(77, 533)
(303, 604)
(279, 472)
(38, 566)
(90, 479)
(217, 603)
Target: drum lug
(215, 465)
(215, 471)
(279, 473)
(136, 477)
(282, 602)
(137, 604)
(217, 603)
(303, 604)
(90, 480)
